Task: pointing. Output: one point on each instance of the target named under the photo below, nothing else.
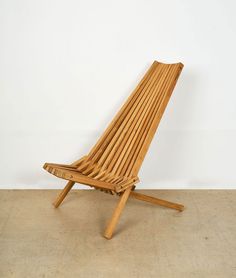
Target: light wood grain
(63, 194)
(116, 215)
(157, 201)
(113, 164)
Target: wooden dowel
(116, 215)
(156, 201)
(63, 194)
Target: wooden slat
(124, 126)
(121, 114)
(142, 136)
(136, 131)
(119, 153)
(133, 125)
(156, 121)
(77, 177)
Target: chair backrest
(124, 144)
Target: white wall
(66, 67)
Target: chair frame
(125, 188)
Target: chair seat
(91, 176)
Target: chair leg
(63, 194)
(156, 201)
(115, 217)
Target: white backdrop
(67, 66)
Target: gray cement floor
(37, 240)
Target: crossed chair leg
(121, 204)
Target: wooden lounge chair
(113, 163)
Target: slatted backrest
(123, 146)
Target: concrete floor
(37, 240)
